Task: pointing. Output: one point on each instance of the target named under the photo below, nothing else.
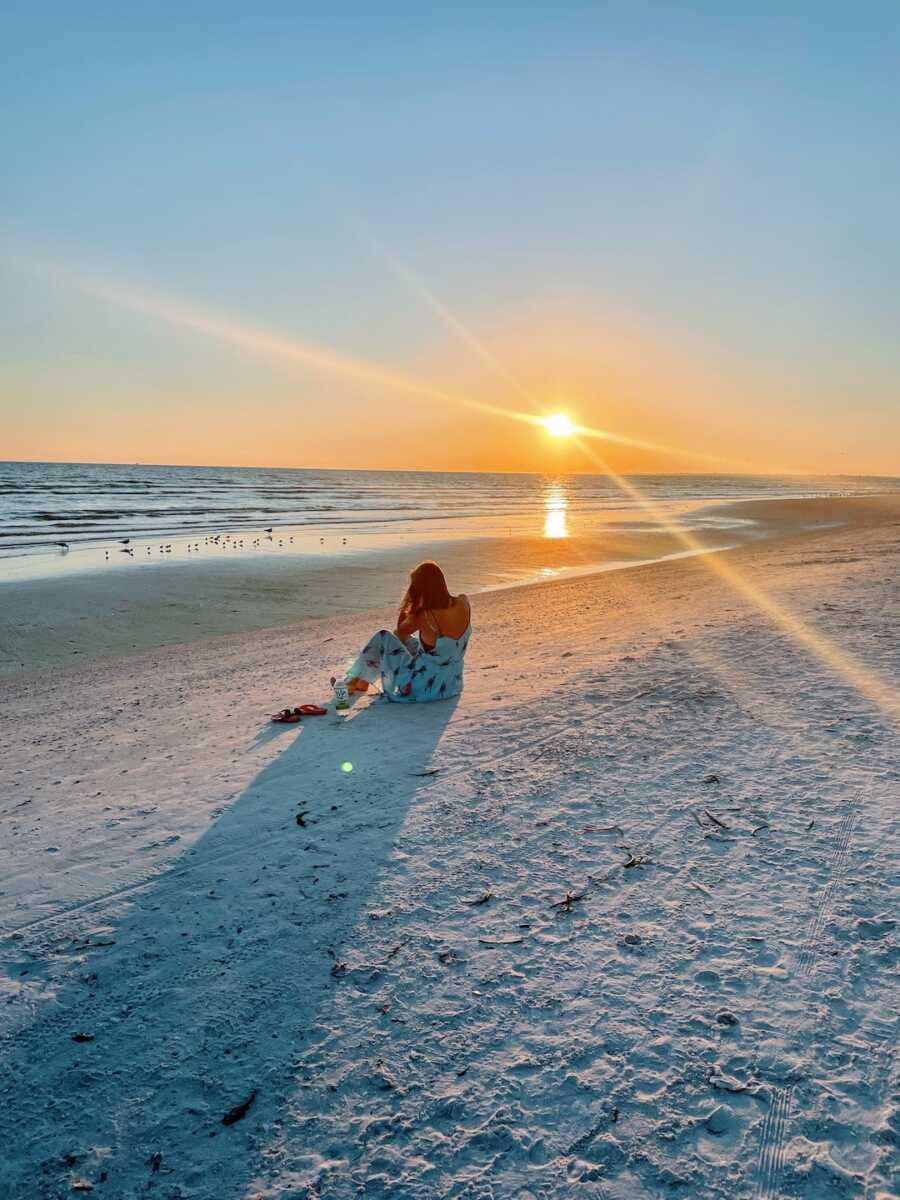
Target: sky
(375, 235)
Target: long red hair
(427, 589)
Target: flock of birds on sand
(220, 540)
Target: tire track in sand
(809, 950)
(772, 1144)
(773, 1136)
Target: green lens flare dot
(346, 767)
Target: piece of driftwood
(240, 1110)
(715, 820)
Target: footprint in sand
(708, 978)
(871, 928)
(719, 1134)
(765, 957)
(169, 841)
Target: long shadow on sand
(193, 994)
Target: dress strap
(432, 623)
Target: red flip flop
(288, 716)
(312, 710)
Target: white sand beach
(621, 922)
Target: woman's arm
(407, 620)
(407, 625)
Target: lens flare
(867, 682)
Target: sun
(559, 425)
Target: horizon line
(63, 462)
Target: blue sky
(724, 176)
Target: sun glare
(559, 425)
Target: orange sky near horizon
(201, 388)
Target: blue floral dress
(409, 672)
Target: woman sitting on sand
(428, 667)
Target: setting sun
(559, 425)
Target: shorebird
(268, 529)
(124, 541)
(63, 545)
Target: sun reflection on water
(555, 504)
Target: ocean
(42, 504)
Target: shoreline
(13, 553)
(92, 616)
(790, 487)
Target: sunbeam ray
(866, 681)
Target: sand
(622, 921)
